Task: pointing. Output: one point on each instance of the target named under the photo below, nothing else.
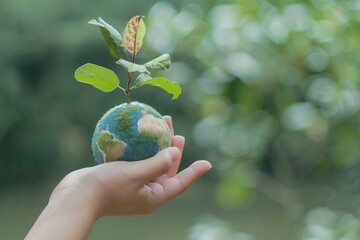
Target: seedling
(132, 130)
(128, 46)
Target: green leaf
(142, 77)
(160, 63)
(111, 36)
(173, 88)
(134, 33)
(132, 67)
(102, 78)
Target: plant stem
(129, 75)
(121, 88)
(128, 89)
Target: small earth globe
(130, 131)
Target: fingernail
(179, 137)
(167, 116)
(204, 162)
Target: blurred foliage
(279, 89)
(209, 227)
(277, 85)
(325, 224)
(271, 88)
(320, 224)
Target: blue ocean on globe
(130, 131)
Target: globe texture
(129, 132)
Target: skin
(115, 189)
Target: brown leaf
(134, 33)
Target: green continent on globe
(110, 147)
(130, 131)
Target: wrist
(64, 220)
(77, 193)
(68, 206)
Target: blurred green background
(271, 94)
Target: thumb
(151, 168)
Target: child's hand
(129, 188)
(116, 188)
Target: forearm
(58, 222)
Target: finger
(176, 185)
(168, 121)
(151, 168)
(179, 142)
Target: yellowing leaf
(134, 34)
